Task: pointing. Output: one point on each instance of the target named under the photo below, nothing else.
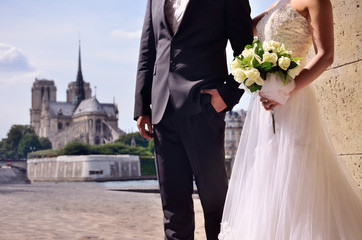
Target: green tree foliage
(77, 148)
(80, 148)
(45, 143)
(2, 149)
(9, 145)
(16, 132)
(148, 167)
(151, 145)
(127, 139)
(120, 148)
(28, 143)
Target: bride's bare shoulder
(260, 16)
(272, 6)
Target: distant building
(81, 117)
(234, 126)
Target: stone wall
(84, 168)
(10, 175)
(339, 89)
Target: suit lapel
(188, 10)
(164, 18)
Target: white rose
(271, 46)
(235, 64)
(275, 44)
(248, 52)
(239, 75)
(257, 57)
(282, 48)
(294, 71)
(259, 81)
(253, 75)
(270, 57)
(284, 63)
(250, 82)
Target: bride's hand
(268, 104)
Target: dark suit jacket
(179, 65)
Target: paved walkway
(78, 211)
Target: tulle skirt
(291, 184)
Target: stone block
(84, 168)
(353, 164)
(61, 170)
(125, 169)
(78, 170)
(339, 94)
(347, 31)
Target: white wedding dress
(290, 185)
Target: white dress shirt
(175, 10)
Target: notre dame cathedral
(81, 117)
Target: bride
(292, 184)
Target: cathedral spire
(79, 61)
(79, 86)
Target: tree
(16, 132)
(45, 143)
(2, 149)
(76, 148)
(151, 145)
(28, 143)
(127, 139)
(9, 145)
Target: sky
(40, 39)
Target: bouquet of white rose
(268, 68)
(269, 61)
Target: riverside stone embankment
(9, 175)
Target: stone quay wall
(84, 168)
(339, 89)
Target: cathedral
(234, 126)
(81, 117)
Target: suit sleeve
(146, 61)
(240, 33)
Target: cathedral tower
(42, 90)
(79, 90)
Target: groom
(182, 92)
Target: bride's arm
(321, 25)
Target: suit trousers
(191, 148)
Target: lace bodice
(285, 24)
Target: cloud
(13, 60)
(11, 79)
(123, 34)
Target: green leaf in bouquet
(292, 65)
(285, 79)
(248, 46)
(240, 57)
(256, 40)
(254, 87)
(247, 62)
(266, 66)
(255, 63)
(259, 48)
(263, 75)
(284, 55)
(280, 74)
(296, 59)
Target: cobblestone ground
(78, 211)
